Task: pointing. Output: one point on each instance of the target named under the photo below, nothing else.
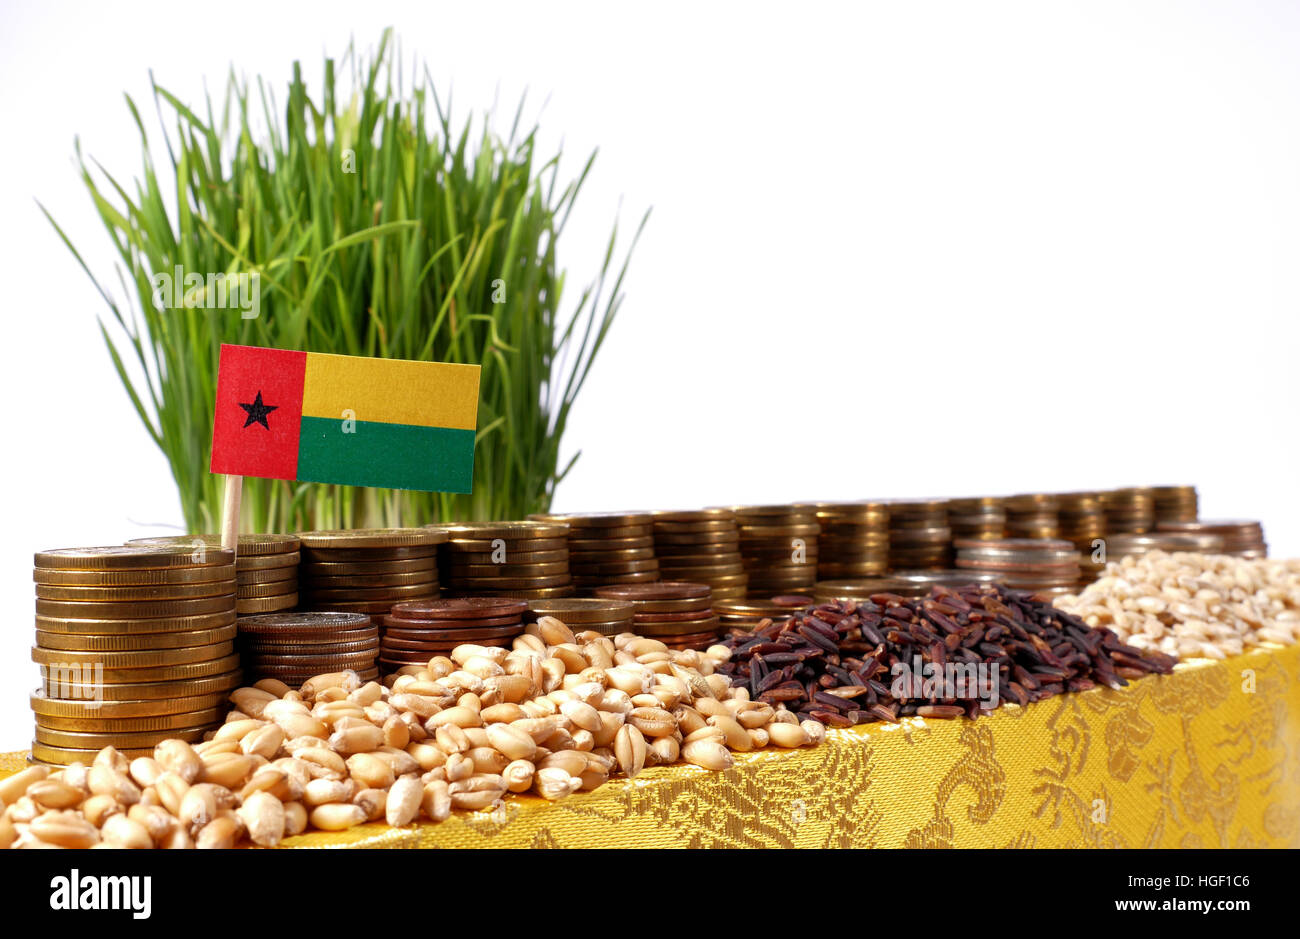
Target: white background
(896, 249)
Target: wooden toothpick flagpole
(230, 513)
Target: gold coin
(622, 533)
(62, 756)
(506, 570)
(266, 604)
(274, 589)
(595, 519)
(120, 627)
(127, 725)
(74, 709)
(268, 562)
(135, 643)
(135, 578)
(128, 741)
(272, 575)
(158, 592)
(87, 675)
(509, 583)
(140, 690)
(316, 582)
(616, 567)
(628, 553)
(692, 515)
(373, 538)
(406, 592)
(399, 566)
(312, 556)
(580, 611)
(478, 531)
(250, 544)
(603, 580)
(696, 528)
(505, 556)
(134, 609)
(535, 593)
(128, 659)
(133, 557)
(677, 627)
(513, 546)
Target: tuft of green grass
(375, 225)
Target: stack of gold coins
(266, 569)
(583, 614)
(1175, 503)
(679, 615)
(1241, 537)
(919, 535)
(518, 560)
(609, 547)
(747, 615)
(419, 630)
(852, 538)
(1083, 523)
(135, 644)
(292, 647)
(1032, 515)
(778, 546)
(977, 517)
(1131, 510)
(702, 546)
(369, 569)
(1044, 566)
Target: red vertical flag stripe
(258, 415)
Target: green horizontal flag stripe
(389, 456)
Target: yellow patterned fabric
(1208, 757)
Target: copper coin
(343, 647)
(429, 647)
(307, 641)
(467, 608)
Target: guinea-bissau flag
(345, 419)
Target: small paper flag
(345, 419)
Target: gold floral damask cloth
(1208, 757)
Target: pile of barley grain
(1194, 605)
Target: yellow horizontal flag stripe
(390, 391)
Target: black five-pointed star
(257, 411)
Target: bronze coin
(310, 640)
